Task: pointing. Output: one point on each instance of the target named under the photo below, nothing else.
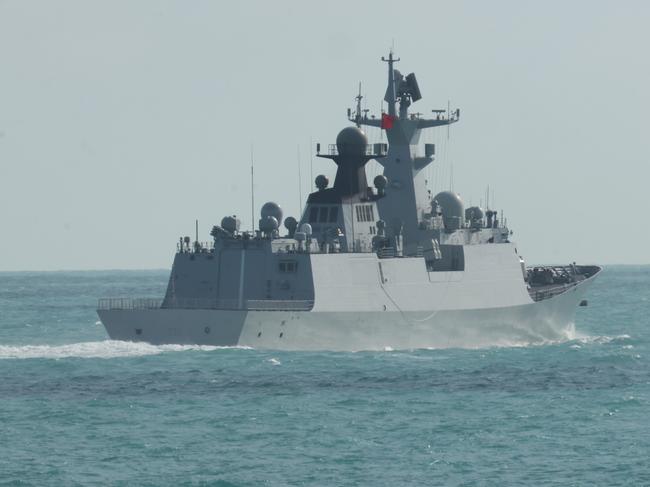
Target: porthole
(206, 330)
(281, 334)
(138, 331)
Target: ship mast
(405, 90)
(357, 115)
(406, 202)
(390, 91)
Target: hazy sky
(123, 121)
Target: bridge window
(365, 213)
(288, 266)
(323, 214)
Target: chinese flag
(387, 121)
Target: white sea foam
(601, 339)
(101, 349)
(274, 361)
(576, 341)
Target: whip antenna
(299, 183)
(252, 193)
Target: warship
(363, 268)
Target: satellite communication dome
(453, 210)
(474, 213)
(269, 224)
(380, 182)
(322, 182)
(271, 209)
(306, 229)
(351, 141)
(230, 224)
(290, 223)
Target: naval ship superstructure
(364, 268)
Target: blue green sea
(78, 409)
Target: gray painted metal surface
(362, 268)
(535, 322)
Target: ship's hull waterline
(534, 323)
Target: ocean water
(78, 409)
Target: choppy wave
(601, 339)
(575, 340)
(99, 349)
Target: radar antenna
(357, 115)
(252, 193)
(405, 91)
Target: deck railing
(368, 149)
(129, 303)
(542, 294)
(200, 303)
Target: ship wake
(99, 349)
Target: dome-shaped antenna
(351, 141)
(453, 210)
(268, 225)
(380, 183)
(321, 182)
(290, 223)
(351, 157)
(230, 224)
(271, 209)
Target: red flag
(387, 121)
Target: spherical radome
(230, 224)
(322, 182)
(380, 182)
(268, 224)
(351, 141)
(272, 209)
(452, 207)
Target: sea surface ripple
(79, 409)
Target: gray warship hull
(374, 310)
(537, 322)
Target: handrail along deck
(199, 303)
